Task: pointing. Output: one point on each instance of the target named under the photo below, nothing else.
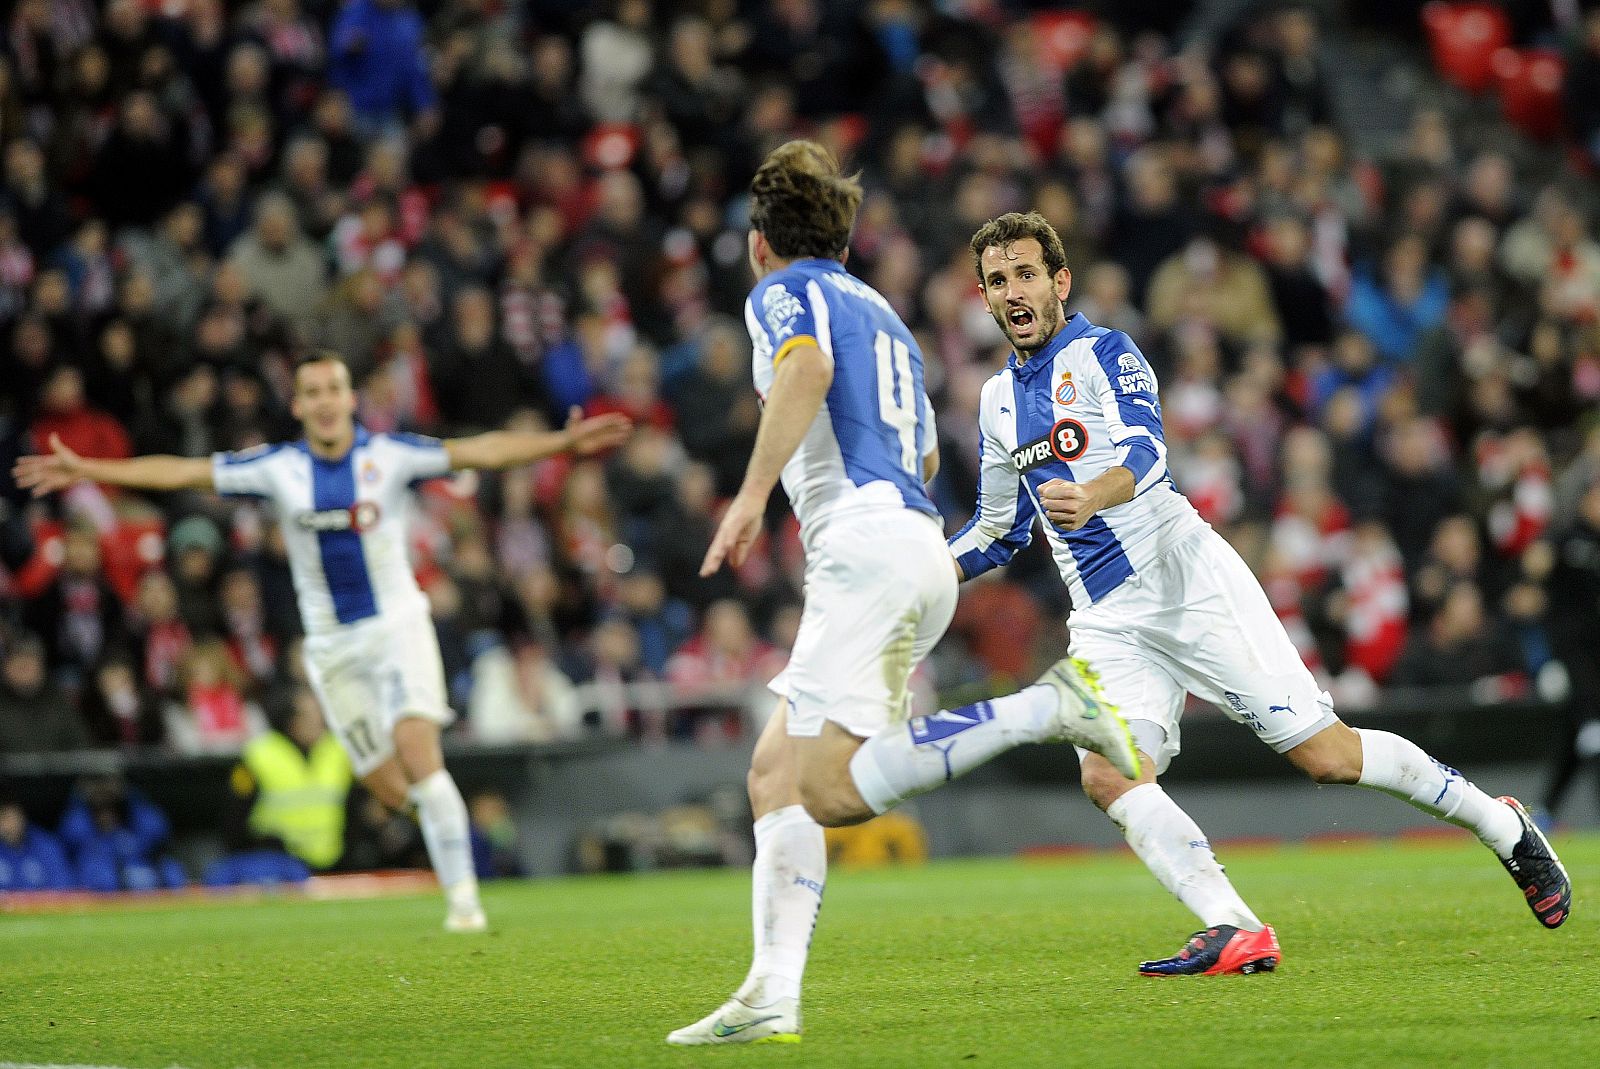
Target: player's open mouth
(1021, 321)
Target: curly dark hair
(1013, 227)
(801, 202)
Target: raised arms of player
(799, 384)
(1003, 520)
(61, 467)
(513, 449)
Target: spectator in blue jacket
(1354, 367)
(1396, 305)
(377, 58)
(116, 835)
(31, 859)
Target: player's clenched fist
(1068, 505)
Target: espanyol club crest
(369, 472)
(1066, 392)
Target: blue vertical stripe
(1102, 565)
(344, 563)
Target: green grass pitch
(1395, 955)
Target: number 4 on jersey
(898, 396)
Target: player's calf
(1333, 755)
(834, 801)
(1104, 784)
(823, 772)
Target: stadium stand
(1373, 303)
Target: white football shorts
(880, 589)
(371, 674)
(1198, 621)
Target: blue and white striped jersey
(344, 521)
(1079, 406)
(864, 450)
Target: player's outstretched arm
(799, 384)
(513, 449)
(61, 467)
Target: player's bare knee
(767, 788)
(387, 784)
(1334, 771)
(832, 807)
(1330, 756)
(819, 803)
(416, 745)
(1104, 784)
(392, 800)
(1325, 765)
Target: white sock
(1400, 767)
(1176, 852)
(785, 894)
(443, 816)
(899, 763)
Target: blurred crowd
(1380, 363)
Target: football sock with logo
(1177, 853)
(1400, 767)
(785, 894)
(443, 817)
(903, 761)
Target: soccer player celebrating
(370, 650)
(1162, 605)
(848, 426)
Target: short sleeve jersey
(864, 450)
(344, 521)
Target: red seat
(1464, 38)
(1530, 90)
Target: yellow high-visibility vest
(300, 798)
